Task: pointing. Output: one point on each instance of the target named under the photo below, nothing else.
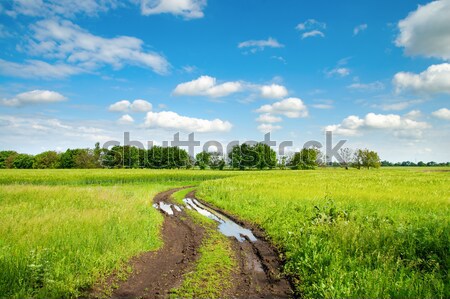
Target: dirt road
(156, 273)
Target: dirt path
(156, 273)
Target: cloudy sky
(376, 73)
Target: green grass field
(63, 230)
(377, 233)
(362, 234)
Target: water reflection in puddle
(226, 226)
(167, 208)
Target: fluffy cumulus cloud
(401, 126)
(66, 8)
(173, 121)
(38, 69)
(426, 31)
(207, 86)
(34, 97)
(360, 28)
(188, 9)
(291, 108)
(273, 91)
(259, 45)
(61, 39)
(268, 128)
(268, 118)
(311, 28)
(435, 79)
(126, 120)
(127, 106)
(442, 113)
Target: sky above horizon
(375, 73)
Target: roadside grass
(356, 234)
(212, 273)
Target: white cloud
(268, 128)
(140, 106)
(188, 9)
(426, 31)
(291, 108)
(322, 106)
(413, 114)
(312, 28)
(398, 125)
(442, 113)
(359, 29)
(121, 106)
(435, 79)
(60, 39)
(66, 8)
(207, 86)
(273, 91)
(339, 71)
(259, 45)
(173, 121)
(125, 106)
(126, 120)
(268, 118)
(34, 97)
(397, 105)
(38, 69)
(377, 85)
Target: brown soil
(259, 274)
(156, 273)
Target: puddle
(167, 208)
(226, 226)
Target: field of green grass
(377, 233)
(63, 230)
(362, 234)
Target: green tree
(23, 161)
(367, 159)
(248, 156)
(203, 160)
(216, 161)
(7, 158)
(47, 160)
(305, 159)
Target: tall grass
(360, 234)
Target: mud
(156, 273)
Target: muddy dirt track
(156, 273)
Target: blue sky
(376, 73)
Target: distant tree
(305, 159)
(85, 159)
(216, 161)
(248, 156)
(421, 164)
(432, 163)
(23, 161)
(282, 162)
(46, 160)
(367, 159)
(7, 158)
(203, 160)
(347, 156)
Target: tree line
(241, 157)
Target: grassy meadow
(377, 233)
(63, 230)
(362, 234)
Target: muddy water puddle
(226, 226)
